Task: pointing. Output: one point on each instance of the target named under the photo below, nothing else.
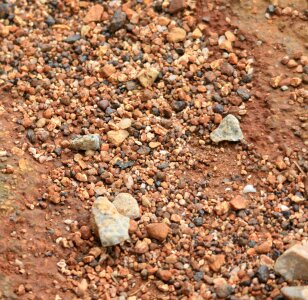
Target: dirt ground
(274, 125)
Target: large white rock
(293, 263)
(108, 223)
(127, 205)
(228, 130)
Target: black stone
(246, 78)
(4, 11)
(218, 108)
(124, 165)
(31, 136)
(178, 105)
(263, 274)
(72, 39)
(243, 93)
(50, 21)
(198, 221)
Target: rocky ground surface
(153, 149)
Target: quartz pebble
(117, 137)
(228, 130)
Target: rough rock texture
(117, 137)
(147, 76)
(293, 263)
(127, 205)
(295, 292)
(94, 14)
(86, 142)
(108, 224)
(228, 130)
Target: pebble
(158, 231)
(111, 227)
(176, 34)
(94, 14)
(249, 188)
(175, 6)
(118, 20)
(243, 93)
(222, 288)
(216, 262)
(147, 77)
(86, 142)
(164, 275)
(238, 203)
(295, 292)
(264, 247)
(228, 130)
(293, 263)
(117, 137)
(263, 274)
(127, 205)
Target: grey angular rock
(86, 142)
(293, 263)
(127, 205)
(228, 130)
(117, 21)
(295, 292)
(106, 222)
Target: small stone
(196, 34)
(264, 247)
(295, 292)
(238, 203)
(125, 123)
(82, 288)
(225, 44)
(228, 130)
(117, 137)
(81, 177)
(86, 142)
(222, 288)
(178, 105)
(164, 275)
(94, 14)
(50, 21)
(158, 231)
(216, 262)
(127, 205)
(117, 21)
(293, 263)
(103, 104)
(249, 188)
(263, 274)
(243, 93)
(176, 34)
(108, 224)
(108, 70)
(176, 6)
(227, 69)
(141, 247)
(72, 39)
(147, 77)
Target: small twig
(136, 291)
(298, 166)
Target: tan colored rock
(176, 34)
(158, 231)
(147, 77)
(176, 6)
(164, 275)
(196, 34)
(108, 70)
(117, 137)
(94, 14)
(216, 262)
(264, 247)
(127, 205)
(293, 263)
(141, 247)
(238, 203)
